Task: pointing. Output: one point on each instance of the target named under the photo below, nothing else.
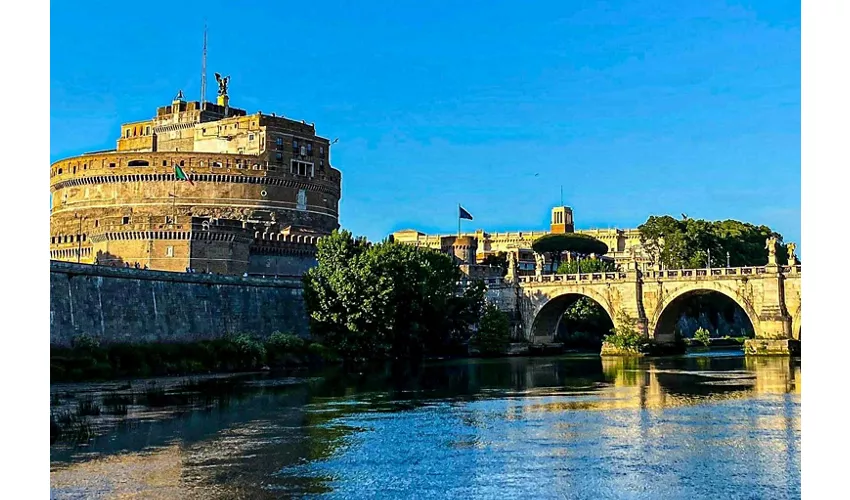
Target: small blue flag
(464, 214)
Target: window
(250, 137)
(169, 251)
(301, 168)
(322, 151)
(147, 130)
(96, 223)
(164, 163)
(60, 171)
(278, 156)
(127, 133)
(112, 165)
(181, 163)
(278, 141)
(310, 149)
(295, 145)
(321, 163)
(125, 220)
(53, 240)
(137, 163)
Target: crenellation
(245, 172)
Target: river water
(712, 425)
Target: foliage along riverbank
(87, 360)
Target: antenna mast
(204, 72)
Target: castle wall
(281, 265)
(129, 305)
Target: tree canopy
(575, 243)
(685, 243)
(387, 299)
(586, 266)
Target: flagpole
(458, 220)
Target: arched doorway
(709, 309)
(572, 317)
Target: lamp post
(709, 258)
(727, 260)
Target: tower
(562, 220)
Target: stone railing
(574, 278)
(677, 274)
(667, 274)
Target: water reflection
(578, 427)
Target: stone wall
(130, 305)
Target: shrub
(702, 336)
(626, 336)
(250, 352)
(494, 331)
(85, 341)
(285, 342)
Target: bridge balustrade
(663, 274)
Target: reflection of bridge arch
(663, 322)
(546, 320)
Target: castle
(201, 186)
(470, 249)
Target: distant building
(624, 245)
(262, 191)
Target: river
(709, 425)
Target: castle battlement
(245, 180)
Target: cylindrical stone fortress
(260, 191)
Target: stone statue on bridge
(512, 266)
(792, 254)
(539, 261)
(770, 244)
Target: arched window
(60, 171)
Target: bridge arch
(669, 309)
(548, 316)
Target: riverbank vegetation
(87, 360)
(393, 301)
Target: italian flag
(181, 175)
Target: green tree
(686, 243)
(386, 300)
(579, 244)
(494, 331)
(586, 266)
(584, 324)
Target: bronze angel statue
(222, 83)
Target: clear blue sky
(636, 107)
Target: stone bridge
(652, 301)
